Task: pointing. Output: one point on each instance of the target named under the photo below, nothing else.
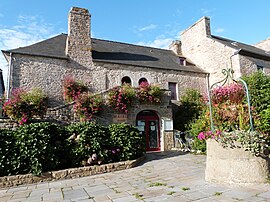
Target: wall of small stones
(15, 180)
(213, 56)
(249, 65)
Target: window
(173, 89)
(182, 61)
(126, 80)
(142, 80)
(260, 68)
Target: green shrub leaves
(40, 147)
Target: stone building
(102, 65)
(213, 53)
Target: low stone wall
(15, 180)
(236, 166)
(8, 124)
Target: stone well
(237, 166)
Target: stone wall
(206, 53)
(48, 74)
(249, 65)
(213, 56)
(8, 124)
(115, 72)
(265, 44)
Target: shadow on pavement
(152, 156)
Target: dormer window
(182, 61)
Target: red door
(148, 124)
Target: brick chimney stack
(78, 45)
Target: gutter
(9, 75)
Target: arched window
(126, 80)
(142, 80)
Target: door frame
(147, 118)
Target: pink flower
(201, 136)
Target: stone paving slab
(163, 176)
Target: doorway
(147, 122)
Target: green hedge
(127, 139)
(86, 139)
(8, 153)
(40, 147)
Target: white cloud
(219, 30)
(147, 28)
(28, 30)
(159, 42)
(206, 11)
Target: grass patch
(171, 193)
(171, 187)
(138, 196)
(157, 184)
(185, 188)
(218, 193)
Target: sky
(144, 22)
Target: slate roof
(111, 52)
(245, 49)
(52, 47)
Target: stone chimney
(175, 46)
(78, 45)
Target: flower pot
(234, 165)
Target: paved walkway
(169, 176)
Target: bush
(72, 89)
(192, 105)
(85, 139)
(88, 105)
(128, 140)
(259, 90)
(120, 98)
(147, 93)
(23, 105)
(41, 147)
(8, 153)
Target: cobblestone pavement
(164, 176)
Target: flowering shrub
(233, 93)
(149, 93)
(23, 105)
(86, 105)
(209, 134)
(253, 141)
(72, 89)
(120, 98)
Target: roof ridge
(231, 40)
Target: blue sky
(145, 22)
